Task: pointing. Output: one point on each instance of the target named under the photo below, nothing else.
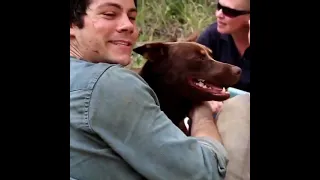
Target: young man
(117, 130)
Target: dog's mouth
(203, 85)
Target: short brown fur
(168, 68)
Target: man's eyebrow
(115, 5)
(132, 10)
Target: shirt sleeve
(124, 112)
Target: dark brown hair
(78, 10)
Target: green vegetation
(162, 20)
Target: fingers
(215, 106)
(201, 111)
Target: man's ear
(73, 30)
(153, 51)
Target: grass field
(165, 19)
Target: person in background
(117, 129)
(228, 37)
(229, 40)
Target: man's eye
(132, 18)
(109, 14)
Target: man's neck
(74, 51)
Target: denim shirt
(117, 131)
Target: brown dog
(183, 74)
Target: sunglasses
(231, 12)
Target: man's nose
(125, 25)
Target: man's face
(109, 31)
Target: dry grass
(165, 19)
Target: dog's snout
(236, 70)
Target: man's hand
(215, 106)
(201, 112)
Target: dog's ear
(153, 51)
(192, 37)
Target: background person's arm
(125, 114)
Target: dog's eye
(203, 57)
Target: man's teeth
(121, 43)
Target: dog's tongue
(216, 89)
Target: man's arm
(125, 114)
(203, 124)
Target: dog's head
(189, 69)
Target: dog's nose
(236, 70)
